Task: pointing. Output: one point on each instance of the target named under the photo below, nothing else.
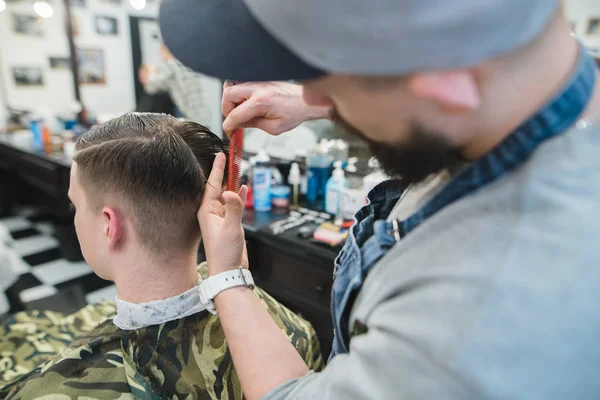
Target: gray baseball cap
(260, 40)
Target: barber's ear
(456, 92)
(111, 226)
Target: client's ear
(112, 227)
(457, 92)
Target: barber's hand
(274, 107)
(165, 53)
(220, 218)
(143, 73)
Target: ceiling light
(43, 9)
(2, 5)
(138, 4)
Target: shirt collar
(132, 316)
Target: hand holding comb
(236, 151)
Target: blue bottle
(261, 182)
(319, 164)
(36, 129)
(312, 186)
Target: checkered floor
(42, 271)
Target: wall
(3, 110)
(116, 96)
(21, 50)
(579, 12)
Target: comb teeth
(236, 149)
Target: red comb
(236, 149)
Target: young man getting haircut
(136, 184)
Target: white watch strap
(212, 286)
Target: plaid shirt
(185, 88)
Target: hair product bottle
(336, 183)
(261, 182)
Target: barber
(478, 281)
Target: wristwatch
(212, 286)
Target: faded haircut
(156, 168)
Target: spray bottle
(261, 182)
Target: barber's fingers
(273, 126)
(234, 207)
(213, 188)
(235, 95)
(240, 116)
(211, 208)
(243, 193)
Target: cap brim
(222, 39)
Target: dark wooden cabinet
(47, 177)
(297, 277)
(41, 173)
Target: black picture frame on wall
(116, 3)
(106, 26)
(78, 3)
(28, 76)
(92, 68)
(60, 62)
(593, 27)
(27, 24)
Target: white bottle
(261, 182)
(352, 197)
(294, 179)
(374, 178)
(333, 193)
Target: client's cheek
(76, 223)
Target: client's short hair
(154, 166)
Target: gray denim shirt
(494, 297)
(491, 291)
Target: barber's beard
(421, 155)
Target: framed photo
(27, 24)
(91, 66)
(593, 27)
(106, 26)
(75, 25)
(111, 2)
(60, 62)
(78, 3)
(28, 76)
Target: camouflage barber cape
(181, 359)
(31, 339)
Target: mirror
(112, 38)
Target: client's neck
(141, 279)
